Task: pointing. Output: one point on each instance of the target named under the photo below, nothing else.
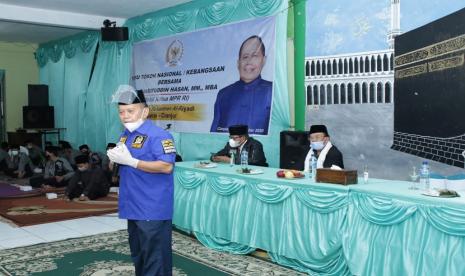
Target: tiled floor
(21, 236)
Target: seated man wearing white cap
(238, 141)
(327, 154)
(20, 165)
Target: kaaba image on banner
(429, 101)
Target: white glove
(121, 155)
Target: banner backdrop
(201, 82)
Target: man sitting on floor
(58, 171)
(35, 153)
(67, 152)
(96, 159)
(87, 183)
(20, 164)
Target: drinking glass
(365, 174)
(414, 175)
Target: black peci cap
(81, 159)
(238, 130)
(111, 145)
(81, 147)
(318, 128)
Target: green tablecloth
(380, 228)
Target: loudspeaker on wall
(37, 95)
(114, 34)
(38, 117)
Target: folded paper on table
(456, 185)
(206, 165)
(453, 182)
(436, 183)
(51, 195)
(25, 188)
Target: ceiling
(38, 21)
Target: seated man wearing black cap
(95, 158)
(321, 148)
(87, 183)
(66, 151)
(239, 140)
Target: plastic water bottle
(231, 160)
(244, 159)
(424, 175)
(312, 168)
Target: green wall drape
(65, 66)
(111, 69)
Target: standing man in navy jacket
(146, 156)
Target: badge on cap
(168, 146)
(138, 141)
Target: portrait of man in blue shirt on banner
(247, 101)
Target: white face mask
(233, 143)
(82, 169)
(134, 125)
(317, 145)
(14, 152)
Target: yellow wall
(17, 59)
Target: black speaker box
(37, 95)
(38, 117)
(114, 34)
(294, 146)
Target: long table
(381, 228)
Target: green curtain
(53, 74)
(380, 231)
(101, 119)
(65, 66)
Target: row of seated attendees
(85, 174)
